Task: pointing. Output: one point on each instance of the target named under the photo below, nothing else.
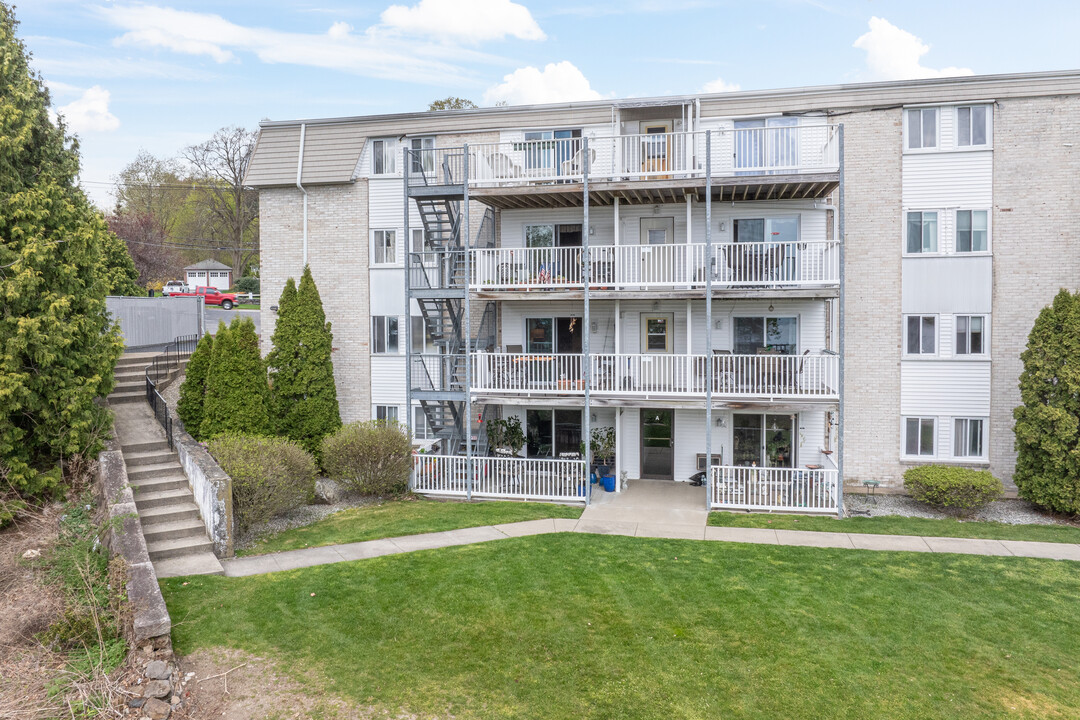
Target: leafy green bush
(247, 285)
(193, 391)
(958, 489)
(269, 475)
(1048, 423)
(373, 458)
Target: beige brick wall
(1036, 241)
(338, 255)
(872, 179)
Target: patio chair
(500, 166)
(573, 166)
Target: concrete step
(118, 398)
(147, 485)
(129, 375)
(162, 498)
(151, 446)
(143, 472)
(175, 512)
(149, 457)
(174, 530)
(164, 549)
(203, 563)
(128, 386)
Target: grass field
(406, 517)
(897, 525)
(583, 626)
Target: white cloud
(465, 20)
(376, 52)
(90, 113)
(895, 54)
(557, 82)
(719, 85)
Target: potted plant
(602, 446)
(506, 434)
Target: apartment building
(798, 289)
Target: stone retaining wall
(210, 485)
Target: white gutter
(299, 172)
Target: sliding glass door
(763, 440)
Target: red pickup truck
(210, 296)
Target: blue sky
(159, 76)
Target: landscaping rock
(157, 689)
(329, 492)
(157, 709)
(136, 702)
(158, 670)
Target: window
(921, 334)
(384, 334)
(552, 432)
(968, 437)
(922, 126)
(546, 335)
(971, 126)
(419, 240)
(971, 231)
(919, 436)
(538, 236)
(656, 333)
(969, 334)
(383, 252)
(754, 335)
(922, 232)
(383, 155)
(763, 440)
(386, 413)
(422, 341)
(421, 429)
(422, 157)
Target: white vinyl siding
(959, 388)
(388, 380)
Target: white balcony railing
(518, 478)
(772, 376)
(792, 150)
(674, 265)
(787, 489)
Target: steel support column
(710, 268)
(586, 358)
(840, 420)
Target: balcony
(620, 375)
(784, 489)
(502, 477)
(746, 163)
(762, 265)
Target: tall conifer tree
(301, 369)
(58, 346)
(236, 392)
(193, 392)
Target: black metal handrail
(159, 368)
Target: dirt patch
(233, 685)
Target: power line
(166, 186)
(182, 246)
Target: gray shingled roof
(208, 265)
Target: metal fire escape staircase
(438, 283)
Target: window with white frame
(968, 437)
(922, 232)
(422, 341)
(383, 156)
(919, 434)
(922, 128)
(421, 429)
(921, 332)
(970, 334)
(422, 155)
(419, 238)
(971, 231)
(384, 247)
(972, 125)
(386, 413)
(384, 334)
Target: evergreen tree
(301, 369)
(193, 391)
(236, 391)
(117, 267)
(1048, 423)
(58, 346)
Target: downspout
(299, 173)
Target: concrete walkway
(292, 559)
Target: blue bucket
(609, 483)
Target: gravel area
(299, 517)
(1012, 512)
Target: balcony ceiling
(653, 192)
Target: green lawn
(896, 525)
(575, 626)
(247, 306)
(406, 517)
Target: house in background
(210, 273)
(804, 288)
